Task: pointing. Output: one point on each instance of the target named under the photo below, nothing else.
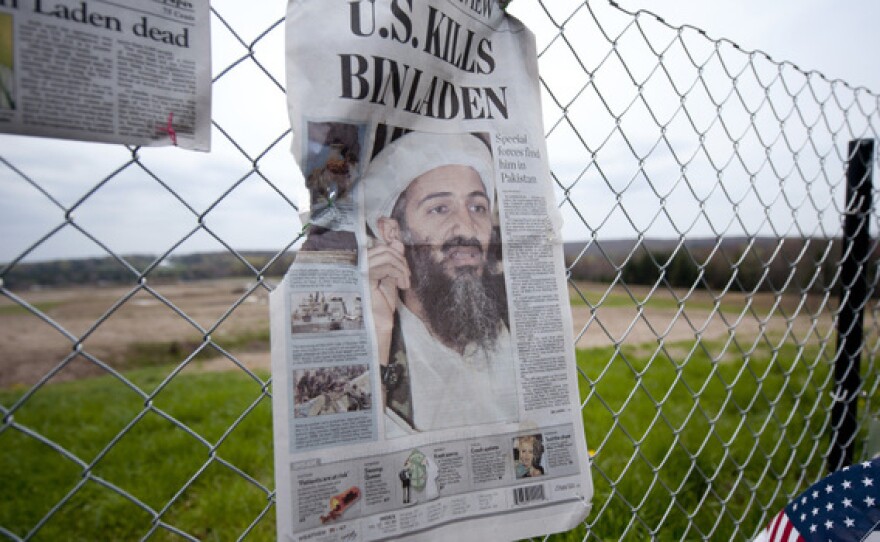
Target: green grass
(733, 441)
(15, 309)
(152, 354)
(152, 461)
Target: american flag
(841, 507)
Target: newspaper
(424, 380)
(121, 71)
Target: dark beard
(461, 310)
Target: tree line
(109, 270)
(757, 265)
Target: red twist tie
(169, 129)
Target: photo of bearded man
(437, 285)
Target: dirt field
(83, 327)
(84, 318)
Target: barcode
(522, 495)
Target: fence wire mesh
(703, 188)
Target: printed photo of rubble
(331, 390)
(319, 312)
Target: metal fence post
(855, 250)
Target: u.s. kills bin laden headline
(390, 82)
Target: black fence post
(855, 250)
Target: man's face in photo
(448, 210)
(446, 227)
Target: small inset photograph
(318, 311)
(528, 456)
(331, 390)
(7, 63)
(328, 247)
(418, 479)
(332, 160)
(340, 503)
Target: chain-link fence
(704, 190)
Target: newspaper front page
(123, 71)
(424, 381)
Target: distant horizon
(268, 251)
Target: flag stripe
(775, 526)
(783, 530)
(790, 534)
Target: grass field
(153, 459)
(691, 440)
(727, 448)
(727, 443)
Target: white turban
(412, 155)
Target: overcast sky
(784, 178)
(132, 213)
(837, 38)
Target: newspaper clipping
(122, 71)
(424, 381)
